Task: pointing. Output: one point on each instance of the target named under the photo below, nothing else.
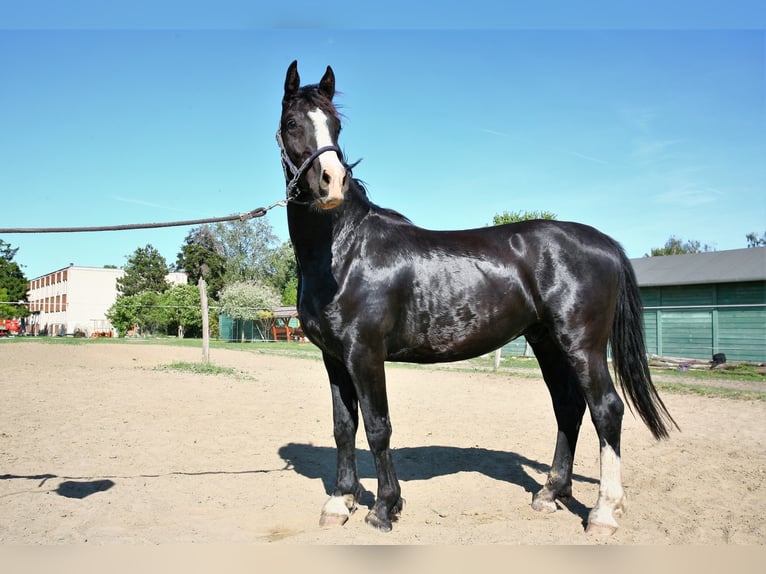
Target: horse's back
(446, 295)
(540, 250)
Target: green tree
(145, 271)
(13, 281)
(150, 316)
(290, 293)
(143, 310)
(181, 308)
(249, 300)
(202, 248)
(6, 311)
(676, 246)
(754, 240)
(517, 216)
(283, 273)
(247, 247)
(123, 314)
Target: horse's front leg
(369, 377)
(342, 503)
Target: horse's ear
(292, 81)
(327, 84)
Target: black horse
(374, 287)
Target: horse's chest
(319, 325)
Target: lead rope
(291, 195)
(258, 212)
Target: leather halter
(291, 171)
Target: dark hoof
(378, 523)
(384, 523)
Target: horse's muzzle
(332, 181)
(329, 203)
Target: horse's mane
(361, 192)
(313, 97)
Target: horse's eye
(291, 124)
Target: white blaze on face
(333, 172)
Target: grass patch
(200, 369)
(279, 348)
(53, 340)
(711, 391)
(740, 372)
(512, 366)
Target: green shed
(240, 330)
(699, 304)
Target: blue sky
(644, 126)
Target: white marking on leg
(337, 510)
(611, 496)
(331, 166)
(336, 505)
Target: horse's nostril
(326, 177)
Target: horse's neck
(310, 234)
(318, 236)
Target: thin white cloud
(587, 157)
(134, 201)
(495, 133)
(652, 149)
(639, 118)
(689, 196)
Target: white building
(77, 299)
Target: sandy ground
(97, 446)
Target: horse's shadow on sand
(425, 462)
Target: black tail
(629, 356)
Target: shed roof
(284, 312)
(731, 266)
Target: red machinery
(9, 327)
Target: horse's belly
(434, 339)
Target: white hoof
(596, 529)
(601, 520)
(544, 506)
(337, 510)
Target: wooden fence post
(205, 321)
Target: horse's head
(308, 135)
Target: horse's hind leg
(606, 410)
(342, 503)
(569, 407)
(574, 380)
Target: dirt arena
(98, 446)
